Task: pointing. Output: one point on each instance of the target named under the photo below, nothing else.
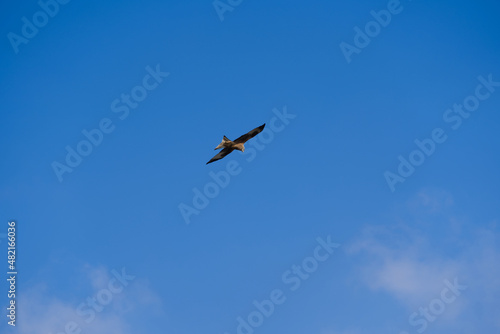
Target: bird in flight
(237, 144)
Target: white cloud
(39, 313)
(404, 267)
(431, 200)
(409, 260)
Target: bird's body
(227, 143)
(238, 144)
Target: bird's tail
(223, 143)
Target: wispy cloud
(408, 262)
(40, 312)
(400, 262)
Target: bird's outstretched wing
(249, 135)
(221, 154)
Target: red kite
(230, 146)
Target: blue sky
(104, 241)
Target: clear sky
(369, 204)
